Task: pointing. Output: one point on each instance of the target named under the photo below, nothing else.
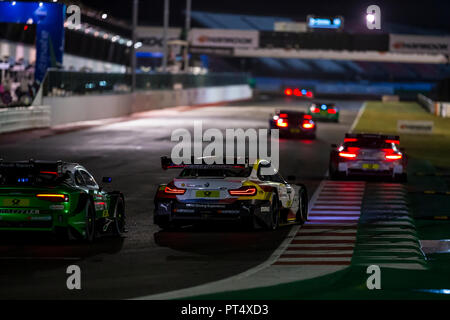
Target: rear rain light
(53, 197)
(288, 92)
(171, 189)
(243, 191)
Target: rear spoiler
(372, 135)
(167, 163)
(31, 166)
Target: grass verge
(382, 117)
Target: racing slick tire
(302, 212)
(274, 214)
(90, 229)
(119, 218)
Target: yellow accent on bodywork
(260, 193)
(105, 213)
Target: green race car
(324, 111)
(58, 197)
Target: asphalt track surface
(147, 260)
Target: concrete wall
(23, 118)
(93, 107)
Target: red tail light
(288, 92)
(297, 92)
(393, 141)
(283, 115)
(314, 109)
(349, 153)
(53, 197)
(171, 189)
(332, 111)
(308, 125)
(307, 116)
(309, 94)
(392, 154)
(282, 123)
(350, 140)
(243, 191)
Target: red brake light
(392, 155)
(297, 92)
(348, 155)
(283, 115)
(243, 191)
(288, 92)
(307, 116)
(53, 197)
(309, 94)
(171, 189)
(314, 109)
(393, 141)
(308, 125)
(49, 172)
(332, 111)
(350, 140)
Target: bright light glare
(104, 16)
(370, 18)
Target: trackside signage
(419, 44)
(408, 126)
(224, 38)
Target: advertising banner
(152, 38)
(224, 38)
(410, 126)
(419, 44)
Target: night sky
(433, 14)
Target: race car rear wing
(167, 163)
(31, 167)
(372, 136)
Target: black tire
(302, 212)
(274, 214)
(334, 174)
(90, 229)
(119, 218)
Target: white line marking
(358, 116)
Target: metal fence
(66, 83)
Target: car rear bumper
(370, 167)
(168, 211)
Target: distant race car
(298, 92)
(368, 154)
(324, 111)
(58, 197)
(293, 123)
(229, 192)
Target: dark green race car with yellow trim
(253, 194)
(58, 197)
(324, 111)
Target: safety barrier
(24, 118)
(438, 108)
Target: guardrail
(438, 108)
(67, 83)
(24, 118)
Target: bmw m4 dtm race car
(58, 197)
(368, 154)
(229, 192)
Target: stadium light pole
(133, 49)
(166, 26)
(187, 27)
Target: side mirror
(291, 178)
(334, 146)
(106, 179)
